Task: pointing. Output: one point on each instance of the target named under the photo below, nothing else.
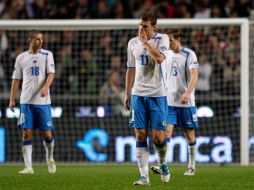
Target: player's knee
(47, 134)
(141, 137)
(158, 139)
(190, 135)
(27, 135)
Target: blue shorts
(148, 110)
(35, 116)
(183, 117)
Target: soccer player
(35, 69)
(182, 74)
(145, 94)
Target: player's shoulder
(133, 40)
(45, 52)
(169, 54)
(161, 36)
(22, 55)
(188, 51)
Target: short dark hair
(175, 32)
(149, 16)
(33, 33)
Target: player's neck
(178, 49)
(150, 36)
(33, 51)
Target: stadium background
(90, 120)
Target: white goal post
(162, 23)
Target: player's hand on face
(127, 101)
(142, 36)
(44, 92)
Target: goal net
(91, 123)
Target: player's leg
(45, 124)
(171, 121)
(142, 153)
(26, 123)
(160, 145)
(48, 143)
(190, 136)
(139, 121)
(168, 135)
(27, 150)
(189, 123)
(158, 119)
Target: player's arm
(129, 80)
(14, 88)
(156, 55)
(191, 86)
(45, 88)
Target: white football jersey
(32, 69)
(149, 79)
(178, 66)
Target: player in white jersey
(145, 94)
(182, 74)
(35, 69)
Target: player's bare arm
(14, 89)
(130, 76)
(193, 80)
(45, 88)
(156, 55)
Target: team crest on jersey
(49, 123)
(163, 48)
(22, 119)
(164, 123)
(34, 61)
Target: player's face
(36, 42)
(147, 28)
(174, 43)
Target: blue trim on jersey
(140, 144)
(167, 139)
(155, 36)
(192, 144)
(46, 66)
(187, 53)
(29, 142)
(43, 53)
(187, 56)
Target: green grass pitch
(121, 177)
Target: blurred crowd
(93, 62)
(89, 62)
(122, 9)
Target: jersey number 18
(35, 71)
